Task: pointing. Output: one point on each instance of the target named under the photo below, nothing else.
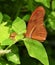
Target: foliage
(14, 15)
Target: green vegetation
(14, 15)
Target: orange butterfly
(36, 28)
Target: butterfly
(35, 28)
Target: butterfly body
(36, 28)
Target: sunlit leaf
(44, 2)
(51, 20)
(36, 50)
(4, 34)
(7, 42)
(19, 26)
(53, 4)
(13, 56)
(19, 37)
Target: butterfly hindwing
(39, 33)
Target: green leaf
(14, 49)
(1, 17)
(53, 13)
(52, 24)
(51, 20)
(3, 62)
(44, 2)
(6, 17)
(53, 5)
(10, 63)
(1, 47)
(13, 56)
(7, 42)
(30, 5)
(11, 42)
(26, 59)
(26, 17)
(19, 26)
(3, 32)
(19, 37)
(36, 50)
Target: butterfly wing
(35, 28)
(39, 33)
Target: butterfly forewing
(35, 28)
